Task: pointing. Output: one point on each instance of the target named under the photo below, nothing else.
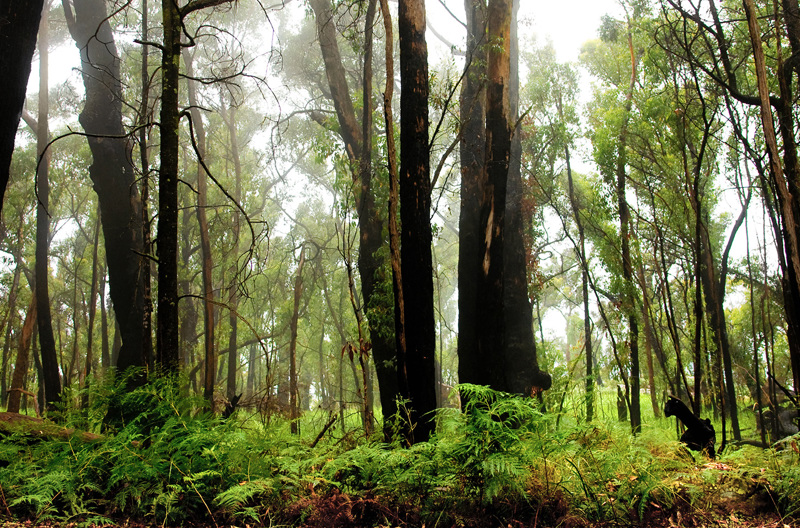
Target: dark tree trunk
(472, 149)
(491, 313)
(522, 375)
(19, 25)
(416, 369)
(112, 174)
(167, 355)
(47, 342)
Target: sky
(567, 23)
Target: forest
(417, 271)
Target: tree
(113, 176)
(173, 17)
(52, 381)
(720, 55)
(497, 347)
(416, 369)
(18, 30)
(371, 219)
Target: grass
(501, 461)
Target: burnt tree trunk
(416, 369)
(19, 25)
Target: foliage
(500, 458)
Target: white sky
(567, 23)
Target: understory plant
(171, 462)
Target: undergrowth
(501, 459)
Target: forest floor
(193, 470)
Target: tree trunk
(294, 415)
(17, 42)
(233, 300)
(47, 342)
(417, 370)
(491, 331)
(87, 370)
(629, 297)
(522, 374)
(23, 358)
(147, 243)
(371, 262)
(112, 174)
(199, 130)
(587, 318)
(168, 320)
(472, 148)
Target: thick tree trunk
(491, 331)
(417, 366)
(112, 174)
(19, 25)
(522, 375)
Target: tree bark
(47, 342)
(417, 371)
(491, 332)
(233, 300)
(522, 374)
(294, 415)
(371, 220)
(472, 149)
(112, 175)
(19, 25)
(23, 358)
(207, 266)
(167, 355)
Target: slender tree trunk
(207, 266)
(587, 317)
(47, 342)
(87, 370)
(627, 264)
(394, 197)
(294, 415)
(417, 371)
(147, 243)
(371, 262)
(233, 300)
(168, 320)
(11, 317)
(22, 363)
